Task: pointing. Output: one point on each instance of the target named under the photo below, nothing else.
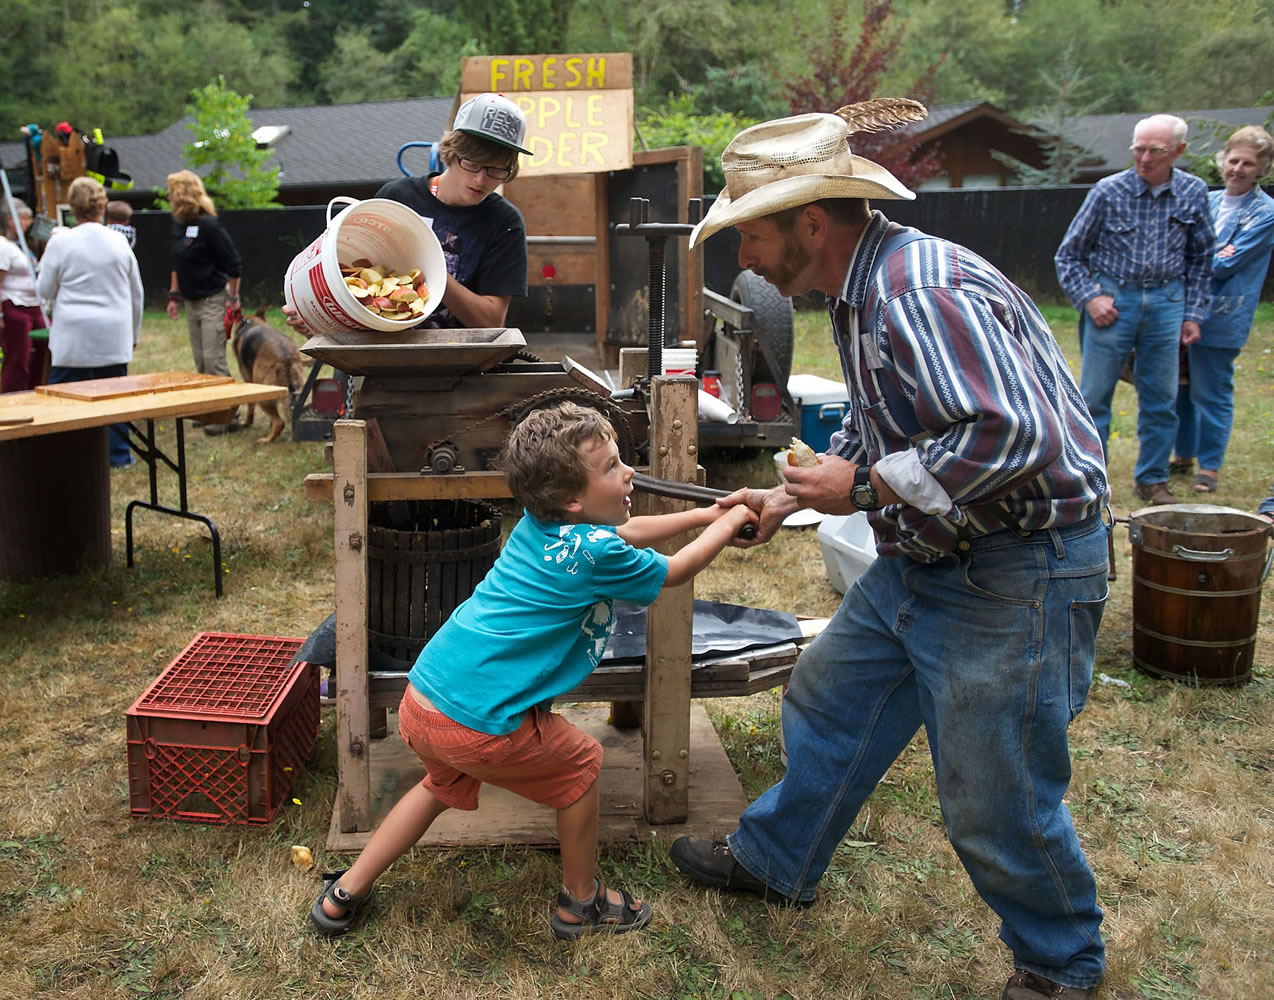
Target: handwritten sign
(579, 107)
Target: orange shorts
(546, 759)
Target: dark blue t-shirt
(484, 244)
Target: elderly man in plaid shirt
(1136, 263)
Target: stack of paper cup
(679, 360)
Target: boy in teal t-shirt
(477, 705)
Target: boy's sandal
(1204, 483)
(334, 926)
(1181, 466)
(599, 915)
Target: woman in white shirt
(19, 305)
(91, 280)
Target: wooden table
(55, 474)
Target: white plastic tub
(848, 545)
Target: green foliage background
(701, 70)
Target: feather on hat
(794, 161)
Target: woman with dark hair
(90, 278)
(205, 275)
(1243, 216)
(19, 303)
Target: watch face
(863, 497)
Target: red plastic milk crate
(220, 734)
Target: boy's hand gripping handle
(685, 491)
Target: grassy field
(1173, 792)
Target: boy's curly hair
(542, 461)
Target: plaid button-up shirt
(1126, 233)
(954, 361)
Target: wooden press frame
(666, 721)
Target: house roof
(326, 145)
(947, 117)
(1108, 136)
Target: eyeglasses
(495, 173)
(1155, 151)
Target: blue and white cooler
(823, 404)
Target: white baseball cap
(495, 118)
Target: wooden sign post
(579, 108)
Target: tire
(772, 320)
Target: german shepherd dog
(268, 357)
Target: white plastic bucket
(679, 360)
(385, 232)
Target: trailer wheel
(772, 319)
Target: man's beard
(792, 261)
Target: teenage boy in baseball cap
(483, 236)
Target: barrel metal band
(1198, 643)
(1164, 589)
(1192, 679)
(433, 555)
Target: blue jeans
(1149, 321)
(992, 652)
(1205, 407)
(120, 453)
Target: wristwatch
(863, 494)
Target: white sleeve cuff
(903, 473)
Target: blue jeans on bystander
(1205, 407)
(1150, 321)
(992, 652)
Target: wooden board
(131, 385)
(716, 797)
(54, 414)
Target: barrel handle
(344, 201)
(1194, 555)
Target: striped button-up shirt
(948, 359)
(1126, 233)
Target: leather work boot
(1155, 493)
(710, 862)
(1029, 986)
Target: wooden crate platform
(716, 797)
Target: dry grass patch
(1173, 794)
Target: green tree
(222, 140)
(358, 71)
(1070, 100)
(678, 123)
(429, 57)
(516, 26)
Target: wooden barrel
(424, 559)
(1196, 591)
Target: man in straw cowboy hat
(970, 448)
